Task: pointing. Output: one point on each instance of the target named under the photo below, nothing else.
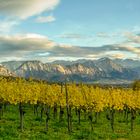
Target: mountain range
(104, 70)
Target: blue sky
(87, 18)
(70, 26)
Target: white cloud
(118, 55)
(6, 25)
(103, 35)
(132, 37)
(23, 9)
(73, 36)
(20, 45)
(35, 46)
(45, 19)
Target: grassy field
(34, 128)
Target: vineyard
(70, 106)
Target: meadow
(34, 127)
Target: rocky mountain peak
(5, 72)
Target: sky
(49, 30)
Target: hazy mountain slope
(128, 63)
(12, 65)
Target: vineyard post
(96, 117)
(112, 112)
(67, 106)
(4, 107)
(61, 114)
(76, 111)
(61, 108)
(47, 117)
(79, 116)
(21, 116)
(36, 109)
(132, 119)
(41, 113)
(85, 114)
(1, 111)
(126, 114)
(70, 115)
(91, 119)
(55, 111)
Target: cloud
(45, 19)
(128, 47)
(35, 46)
(118, 55)
(6, 25)
(23, 9)
(21, 45)
(74, 36)
(135, 38)
(103, 35)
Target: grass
(34, 128)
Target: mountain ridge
(79, 71)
